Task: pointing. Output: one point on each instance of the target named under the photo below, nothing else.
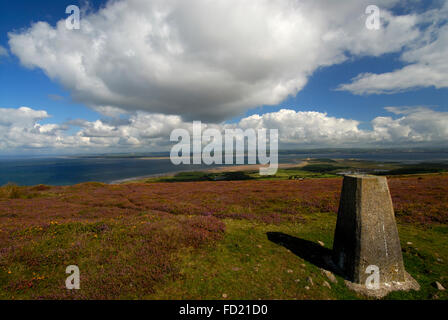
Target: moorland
(210, 235)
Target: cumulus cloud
(204, 60)
(3, 52)
(416, 125)
(306, 127)
(22, 129)
(426, 61)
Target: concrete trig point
(367, 235)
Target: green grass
(118, 258)
(293, 173)
(221, 242)
(316, 168)
(192, 176)
(421, 168)
(246, 265)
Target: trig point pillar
(366, 237)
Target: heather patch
(129, 240)
(118, 258)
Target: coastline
(229, 168)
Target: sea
(68, 170)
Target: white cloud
(21, 129)
(306, 127)
(416, 125)
(426, 62)
(204, 60)
(3, 52)
(23, 116)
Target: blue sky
(319, 93)
(41, 87)
(16, 79)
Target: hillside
(249, 239)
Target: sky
(136, 70)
